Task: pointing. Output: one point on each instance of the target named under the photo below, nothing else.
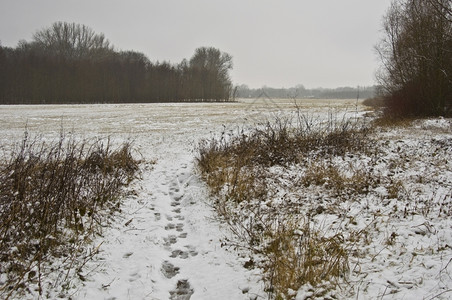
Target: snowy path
(166, 246)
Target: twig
(437, 295)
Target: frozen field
(166, 242)
(155, 121)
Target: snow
(169, 228)
(166, 242)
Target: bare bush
(53, 198)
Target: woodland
(70, 63)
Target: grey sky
(326, 43)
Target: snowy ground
(166, 242)
(398, 229)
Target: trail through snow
(165, 246)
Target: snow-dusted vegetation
(338, 208)
(302, 200)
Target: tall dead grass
(235, 168)
(227, 159)
(298, 254)
(53, 198)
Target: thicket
(70, 63)
(416, 56)
(54, 198)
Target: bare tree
(416, 56)
(71, 40)
(443, 8)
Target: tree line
(70, 63)
(300, 92)
(416, 56)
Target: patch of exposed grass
(353, 181)
(53, 198)
(303, 256)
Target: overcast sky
(317, 43)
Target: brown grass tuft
(297, 257)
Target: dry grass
(223, 160)
(302, 256)
(392, 122)
(343, 183)
(236, 170)
(53, 198)
(307, 198)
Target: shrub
(406, 102)
(375, 102)
(282, 143)
(53, 196)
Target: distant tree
(3, 72)
(243, 91)
(300, 92)
(71, 40)
(185, 84)
(210, 73)
(70, 63)
(134, 68)
(416, 56)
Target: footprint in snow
(170, 226)
(171, 239)
(184, 254)
(180, 253)
(157, 216)
(134, 276)
(177, 198)
(183, 178)
(174, 188)
(183, 291)
(180, 227)
(175, 203)
(169, 270)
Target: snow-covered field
(166, 243)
